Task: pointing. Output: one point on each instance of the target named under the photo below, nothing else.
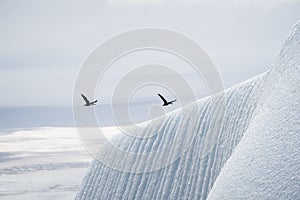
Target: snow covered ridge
(255, 154)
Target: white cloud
(135, 2)
(193, 2)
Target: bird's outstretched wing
(173, 101)
(94, 102)
(162, 98)
(85, 99)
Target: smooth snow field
(240, 144)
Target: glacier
(240, 144)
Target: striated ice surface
(240, 144)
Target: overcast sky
(43, 43)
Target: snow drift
(251, 152)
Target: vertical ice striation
(190, 176)
(261, 118)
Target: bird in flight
(166, 103)
(87, 102)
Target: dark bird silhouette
(166, 103)
(87, 102)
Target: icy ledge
(253, 154)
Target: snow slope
(242, 144)
(266, 163)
